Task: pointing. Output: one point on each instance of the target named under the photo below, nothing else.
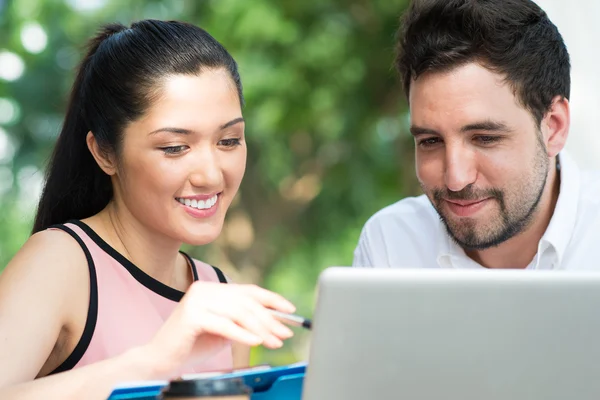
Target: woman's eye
(229, 142)
(170, 150)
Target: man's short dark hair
(512, 37)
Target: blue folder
(281, 383)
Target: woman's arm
(91, 382)
(240, 352)
(241, 355)
(39, 291)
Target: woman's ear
(105, 161)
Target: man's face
(480, 156)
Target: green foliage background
(327, 127)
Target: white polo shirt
(409, 233)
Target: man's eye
(487, 139)
(429, 142)
(170, 150)
(229, 142)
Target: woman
(150, 156)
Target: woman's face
(182, 163)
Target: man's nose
(460, 168)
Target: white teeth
(199, 204)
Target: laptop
(455, 335)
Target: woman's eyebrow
(232, 122)
(171, 130)
(183, 131)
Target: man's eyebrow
(487, 125)
(183, 131)
(417, 130)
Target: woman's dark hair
(511, 37)
(114, 86)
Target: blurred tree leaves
(326, 126)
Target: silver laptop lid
(455, 335)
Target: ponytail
(75, 186)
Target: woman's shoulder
(49, 252)
(41, 293)
(58, 239)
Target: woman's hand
(210, 314)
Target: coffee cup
(207, 389)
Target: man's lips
(465, 203)
(466, 208)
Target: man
(488, 86)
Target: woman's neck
(152, 252)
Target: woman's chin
(196, 233)
(197, 242)
(201, 239)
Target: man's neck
(520, 250)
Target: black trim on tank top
(149, 282)
(220, 274)
(139, 275)
(92, 314)
(191, 264)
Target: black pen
(292, 319)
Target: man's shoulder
(588, 205)
(411, 212)
(590, 187)
(400, 235)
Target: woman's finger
(244, 316)
(268, 298)
(268, 320)
(219, 325)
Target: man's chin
(467, 234)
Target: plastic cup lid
(207, 387)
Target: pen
(293, 319)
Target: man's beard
(513, 219)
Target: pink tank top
(127, 306)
